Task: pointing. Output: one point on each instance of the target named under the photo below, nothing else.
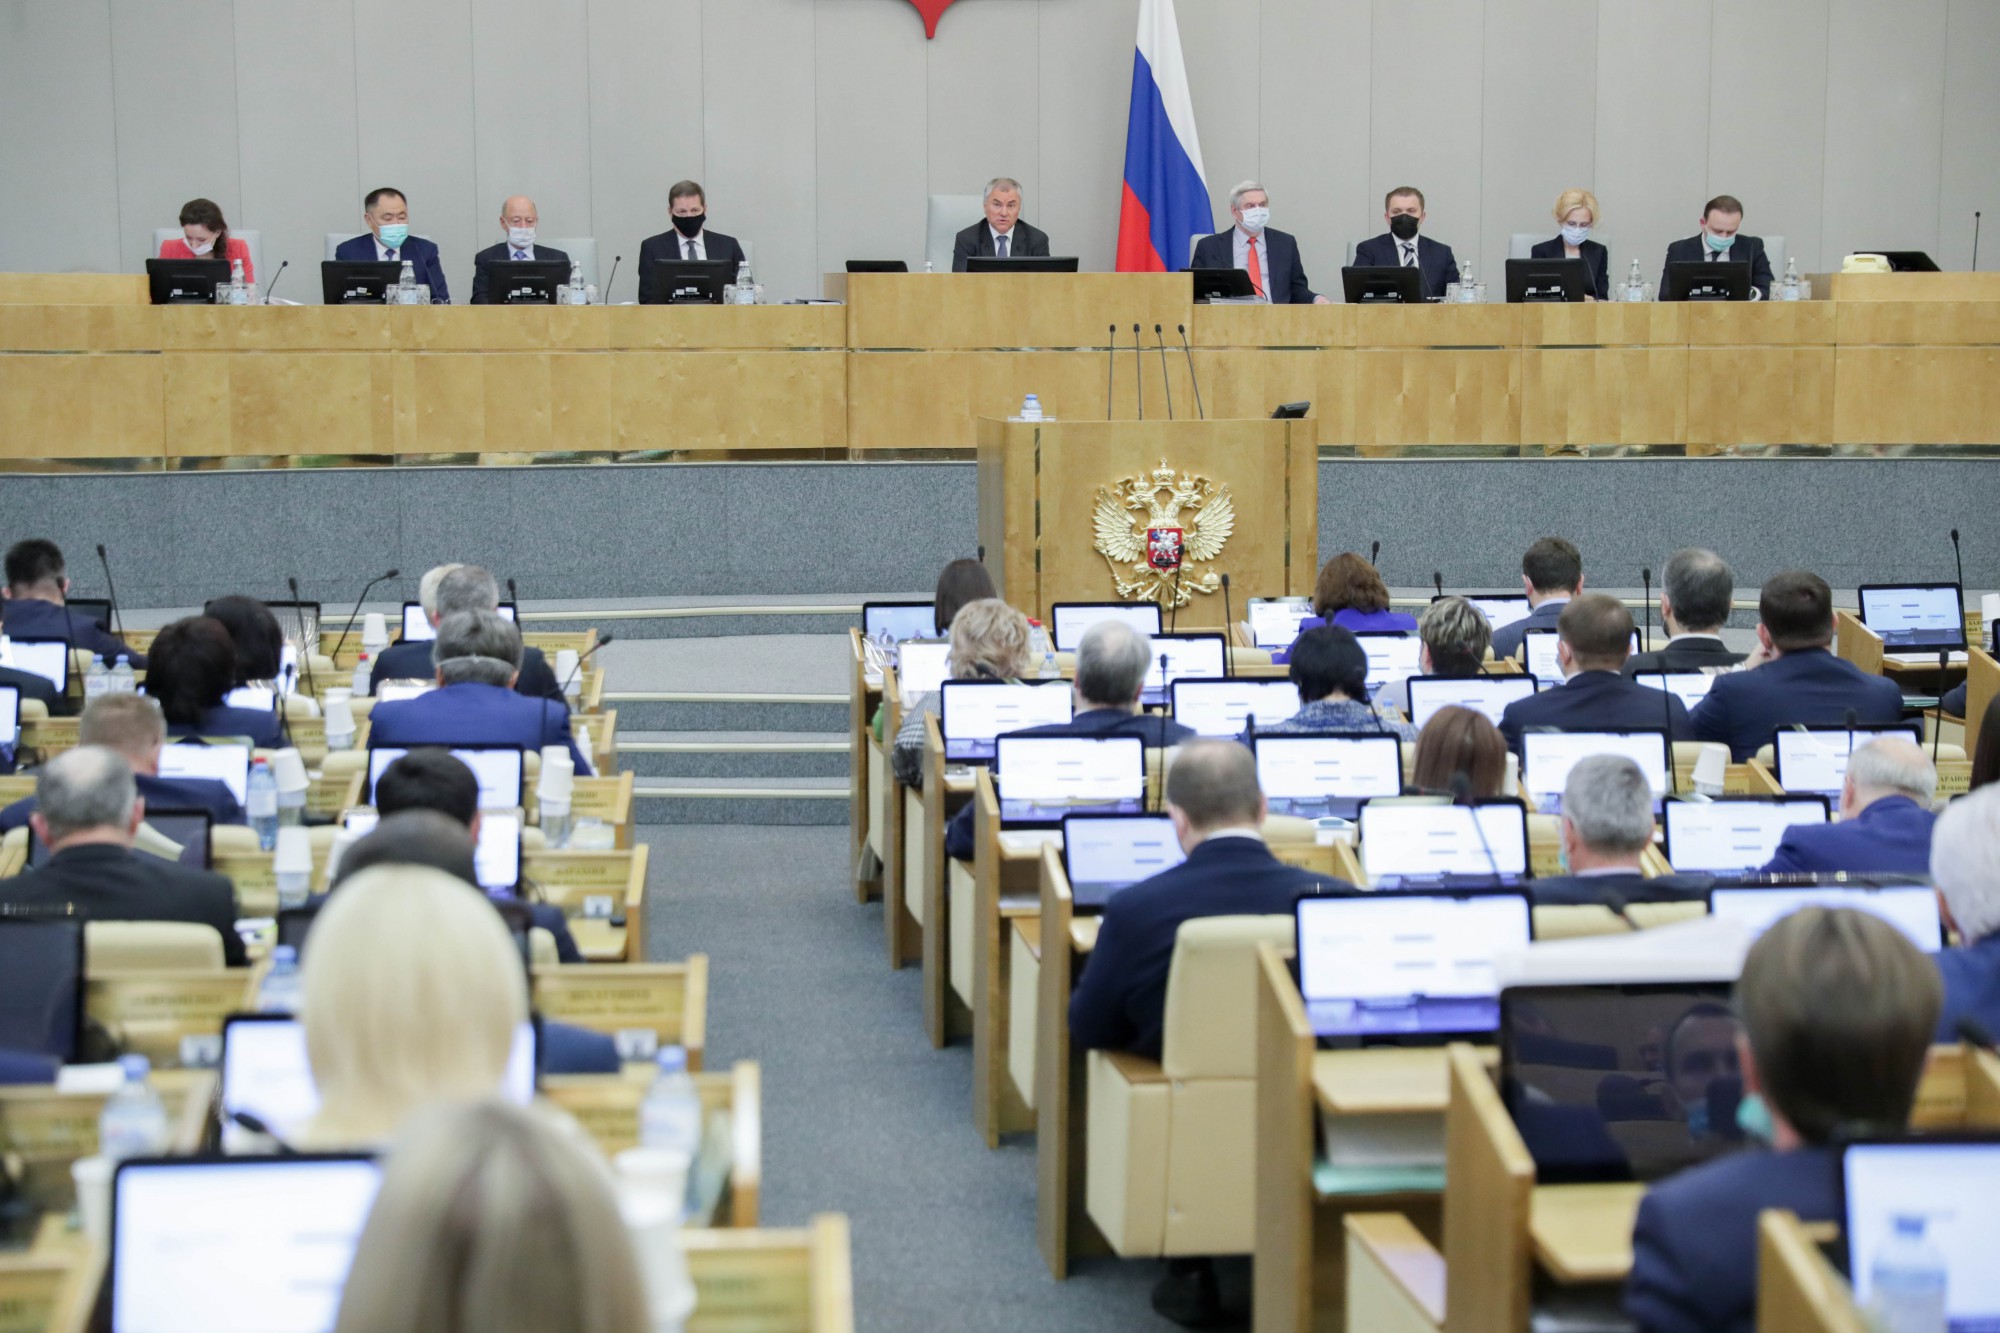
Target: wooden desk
(1005, 881)
(795, 1280)
(867, 765)
(669, 1000)
(607, 1107)
(1583, 1233)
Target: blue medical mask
(393, 235)
(1575, 235)
(1753, 1117)
(1718, 243)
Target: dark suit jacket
(573, 1050)
(497, 254)
(32, 618)
(1892, 836)
(158, 794)
(1693, 653)
(976, 241)
(1596, 701)
(1744, 708)
(421, 255)
(31, 686)
(1747, 250)
(1952, 703)
(720, 249)
(1596, 262)
(261, 727)
(412, 661)
(107, 883)
(1971, 986)
(1434, 259)
(1120, 1004)
(1286, 280)
(1694, 1246)
(1508, 639)
(475, 714)
(1602, 890)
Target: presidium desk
(92, 376)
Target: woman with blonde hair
(989, 641)
(490, 1220)
(412, 993)
(1576, 214)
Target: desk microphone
(117, 625)
(1647, 642)
(515, 598)
(1958, 562)
(1667, 707)
(1110, 371)
(1374, 549)
(1937, 723)
(356, 614)
(1174, 619)
(1461, 795)
(577, 670)
(605, 295)
(1975, 240)
(274, 280)
(1437, 580)
(1163, 371)
(257, 1126)
(306, 650)
(1199, 413)
(1615, 903)
(1228, 630)
(982, 555)
(1139, 365)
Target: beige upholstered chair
(122, 948)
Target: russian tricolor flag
(1166, 199)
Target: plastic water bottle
(363, 669)
(575, 296)
(1038, 639)
(929, 267)
(1468, 286)
(239, 290)
(122, 680)
(1909, 1278)
(134, 1122)
(406, 285)
(263, 805)
(1031, 408)
(96, 680)
(280, 992)
(1050, 671)
(1635, 283)
(746, 286)
(670, 1116)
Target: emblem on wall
(932, 10)
(1158, 531)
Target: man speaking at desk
(517, 218)
(387, 214)
(1270, 257)
(1002, 235)
(1401, 247)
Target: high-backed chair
(253, 241)
(582, 250)
(949, 214)
(1774, 251)
(122, 948)
(1172, 1145)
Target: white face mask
(521, 238)
(1254, 219)
(201, 248)
(1575, 235)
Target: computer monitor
(1734, 835)
(1533, 280)
(41, 981)
(236, 1244)
(1105, 853)
(417, 627)
(1814, 759)
(1690, 687)
(1621, 1082)
(1482, 694)
(358, 281)
(190, 830)
(1501, 608)
(1070, 620)
(1275, 621)
(227, 764)
(1392, 659)
(922, 665)
(1927, 617)
(1223, 284)
(1910, 908)
(1411, 844)
(1387, 965)
(1021, 264)
(1707, 280)
(97, 608)
(971, 713)
(1176, 655)
(877, 266)
(526, 281)
(688, 282)
(1223, 708)
(1382, 286)
(893, 622)
(1040, 779)
(47, 658)
(400, 689)
(1542, 662)
(496, 857)
(498, 768)
(185, 281)
(10, 717)
(1327, 776)
(1950, 1185)
(1548, 756)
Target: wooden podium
(1074, 511)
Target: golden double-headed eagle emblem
(1153, 554)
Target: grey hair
(1236, 195)
(427, 588)
(476, 647)
(1700, 585)
(1894, 763)
(89, 787)
(1457, 635)
(1965, 861)
(1002, 183)
(467, 588)
(1609, 802)
(1111, 663)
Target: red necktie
(1256, 269)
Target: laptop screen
(10, 715)
(921, 666)
(41, 983)
(47, 658)
(498, 769)
(228, 764)
(1548, 756)
(417, 627)
(1690, 687)
(1177, 655)
(1503, 609)
(1927, 616)
(1951, 1187)
(247, 1245)
(1105, 853)
(396, 691)
(1275, 621)
(1072, 619)
(1482, 694)
(1039, 779)
(1542, 662)
(1318, 776)
(1814, 759)
(1910, 908)
(1223, 708)
(189, 829)
(893, 622)
(972, 712)
(1416, 842)
(1611, 1083)
(1734, 835)
(1397, 964)
(1391, 657)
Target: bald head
(518, 211)
(85, 795)
(1887, 766)
(1213, 785)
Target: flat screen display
(1105, 853)
(1223, 708)
(1397, 964)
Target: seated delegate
(518, 217)
(1594, 636)
(1576, 214)
(1697, 592)
(1350, 594)
(989, 641)
(1551, 574)
(442, 591)
(1402, 247)
(1269, 256)
(205, 235)
(388, 240)
(687, 239)
(1885, 818)
(1720, 240)
(1607, 825)
(34, 604)
(1460, 754)
(1002, 235)
(1455, 639)
(1330, 669)
(131, 725)
(192, 671)
(1965, 866)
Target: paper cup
(93, 1196)
(658, 1174)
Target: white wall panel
(55, 76)
(871, 137)
(1314, 87)
(983, 95)
(1086, 51)
(1652, 127)
(645, 123)
(1538, 135)
(758, 66)
(1767, 121)
(1884, 125)
(1427, 91)
(1219, 39)
(1971, 167)
(531, 117)
(173, 89)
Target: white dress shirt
(383, 253)
(996, 239)
(698, 242)
(1414, 255)
(1240, 242)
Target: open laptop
(417, 627)
(1392, 659)
(922, 665)
(1322, 776)
(1223, 708)
(1733, 835)
(10, 720)
(1910, 908)
(972, 712)
(1814, 759)
(498, 768)
(1387, 965)
(893, 622)
(1105, 853)
(1690, 687)
(1275, 621)
(1069, 620)
(1426, 844)
(1548, 756)
(1177, 655)
(1040, 779)
(41, 981)
(227, 764)
(1482, 694)
(1542, 663)
(1951, 1184)
(1500, 609)
(1915, 617)
(496, 859)
(47, 658)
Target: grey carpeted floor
(861, 1116)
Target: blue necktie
(1000, 246)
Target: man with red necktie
(1270, 257)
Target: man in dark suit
(1837, 1009)
(1965, 865)
(1002, 235)
(33, 605)
(87, 813)
(1792, 678)
(1551, 574)
(1695, 598)
(518, 217)
(1885, 818)
(131, 725)
(1271, 258)
(478, 660)
(27, 685)
(387, 214)
(442, 591)
(1607, 825)
(1402, 247)
(1594, 634)
(689, 239)
(1720, 239)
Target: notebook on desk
(1690, 687)
(1945, 1190)
(1219, 708)
(1176, 655)
(1040, 779)
(1814, 759)
(972, 713)
(1548, 756)
(1069, 621)
(47, 658)
(1415, 965)
(893, 622)
(499, 769)
(1500, 609)
(227, 764)
(1733, 835)
(1488, 695)
(921, 666)
(1105, 853)
(1915, 618)
(1275, 621)
(1421, 844)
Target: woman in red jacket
(205, 235)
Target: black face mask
(690, 226)
(1403, 226)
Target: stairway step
(769, 755)
(741, 801)
(711, 710)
